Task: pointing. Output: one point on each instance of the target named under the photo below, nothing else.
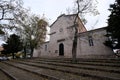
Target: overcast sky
(53, 8)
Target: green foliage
(37, 30)
(1, 32)
(13, 45)
(114, 21)
(19, 55)
(32, 30)
(108, 43)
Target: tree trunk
(31, 53)
(24, 51)
(74, 49)
(13, 55)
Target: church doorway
(61, 49)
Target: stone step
(111, 64)
(78, 71)
(5, 76)
(100, 60)
(96, 62)
(101, 64)
(18, 74)
(53, 74)
(81, 66)
(109, 60)
(78, 60)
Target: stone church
(90, 43)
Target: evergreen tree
(113, 28)
(13, 45)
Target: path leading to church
(60, 69)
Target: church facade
(89, 43)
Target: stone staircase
(61, 69)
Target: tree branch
(3, 13)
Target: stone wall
(84, 49)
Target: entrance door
(61, 49)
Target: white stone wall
(42, 50)
(98, 49)
(62, 29)
(59, 28)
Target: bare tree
(32, 29)
(83, 7)
(36, 32)
(8, 8)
